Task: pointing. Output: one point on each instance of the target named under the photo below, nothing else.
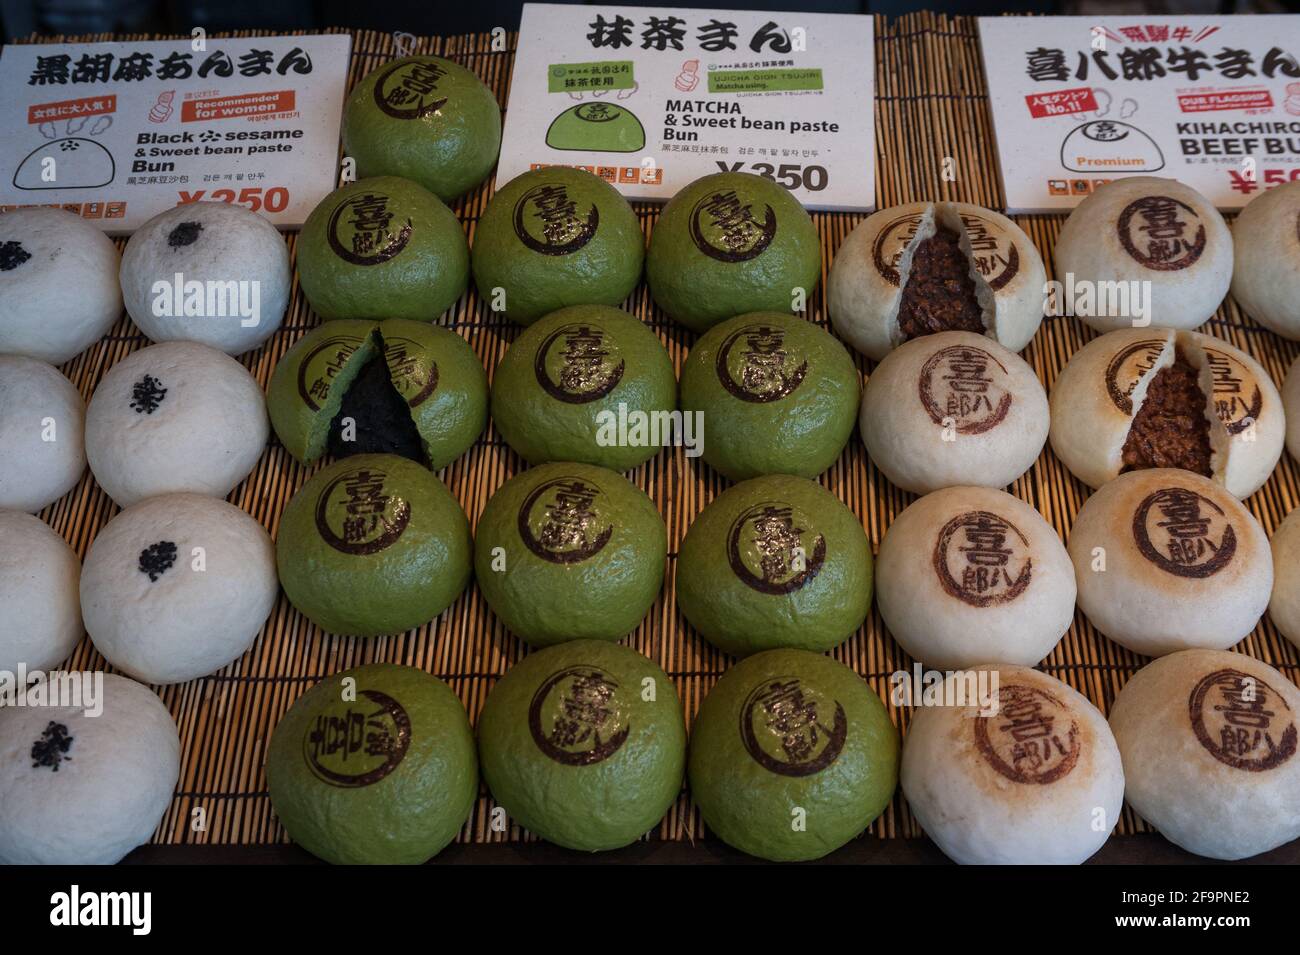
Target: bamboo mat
(931, 104)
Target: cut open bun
(1104, 386)
(871, 271)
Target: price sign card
(650, 98)
(118, 132)
(1078, 101)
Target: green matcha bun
(584, 744)
(373, 544)
(568, 380)
(774, 562)
(792, 755)
(778, 395)
(555, 237)
(731, 243)
(382, 248)
(597, 127)
(568, 551)
(427, 119)
(374, 766)
(408, 386)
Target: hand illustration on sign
(68, 161)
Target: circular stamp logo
(357, 743)
(791, 728)
(409, 89)
(578, 363)
(773, 548)
(360, 230)
(578, 716)
(1126, 370)
(548, 221)
(1242, 721)
(1236, 395)
(1161, 233)
(1034, 737)
(561, 520)
(727, 228)
(754, 364)
(966, 386)
(891, 242)
(413, 375)
(992, 250)
(356, 515)
(598, 112)
(321, 365)
(1184, 533)
(982, 559)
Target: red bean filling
(939, 294)
(1170, 430)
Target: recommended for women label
(651, 98)
(1079, 101)
(118, 132)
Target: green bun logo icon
(597, 127)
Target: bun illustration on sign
(69, 161)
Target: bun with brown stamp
(1167, 560)
(1266, 248)
(1036, 780)
(1284, 605)
(971, 574)
(953, 408)
(927, 267)
(1140, 398)
(1291, 405)
(1149, 229)
(1209, 744)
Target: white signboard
(650, 98)
(1078, 101)
(119, 132)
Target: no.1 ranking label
(118, 132)
(651, 98)
(1078, 101)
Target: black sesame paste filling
(939, 294)
(382, 418)
(1170, 430)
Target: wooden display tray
(931, 103)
